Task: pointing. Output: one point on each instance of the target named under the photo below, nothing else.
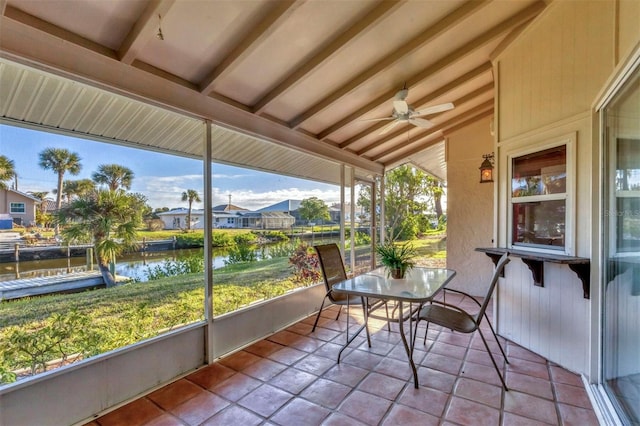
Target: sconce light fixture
(486, 168)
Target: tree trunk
(107, 276)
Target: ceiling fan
(404, 113)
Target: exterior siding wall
(547, 82)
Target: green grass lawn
(101, 320)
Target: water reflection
(133, 265)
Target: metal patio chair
(457, 319)
(333, 272)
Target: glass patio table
(419, 286)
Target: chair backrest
(494, 281)
(331, 264)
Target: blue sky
(162, 178)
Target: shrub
(155, 225)
(305, 264)
(170, 268)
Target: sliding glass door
(621, 257)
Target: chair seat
(448, 318)
(343, 299)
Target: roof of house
(227, 208)
(282, 206)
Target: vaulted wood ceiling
(306, 74)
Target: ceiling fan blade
(421, 122)
(389, 126)
(401, 107)
(433, 109)
(377, 119)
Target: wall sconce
(486, 168)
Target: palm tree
(108, 219)
(61, 161)
(190, 195)
(114, 176)
(7, 171)
(76, 188)
(42, 196)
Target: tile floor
(292, 378)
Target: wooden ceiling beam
(275, 17)
(355, 31)
(441, 91)
(443, 25)
(145, 29)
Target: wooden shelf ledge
(535, 261)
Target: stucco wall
(469, 207)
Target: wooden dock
(65, 283)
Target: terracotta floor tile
(198, 409)
(436, 379)
(471, 413)
(572, 395)
(383, 386)
(211, 375)
(175, 393)
(264, 369)
(285, 338)
(402, 415)
(442, 363)
(288, 355)
(265, 400)
(293, 380)
(576, 416)
(481, 356)
(135, 413)
(263, 348)
(346, 374)
(510, 419)
(522, 353)
(300, 328)
(479, 392)
(424, 399)
(560, 375)
(236, 386)
(234, 415)
(363, 359)
(240, 360)
(325, 334)
(530, 406)
(165, 420)
(326, 393)
(337, 419)
(480, 372)
(529, 384)
(528, 368)
(448, 349)
(314, 364)
(300, 413)
(367, 408)
(400, 369)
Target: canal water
(133, 265)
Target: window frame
(569, 141)
(12, 205)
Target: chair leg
(386, 308)
(495, 365)
(318, 316)
(495, 336)
(339, 310)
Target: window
(540, 201)
(17, 208)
